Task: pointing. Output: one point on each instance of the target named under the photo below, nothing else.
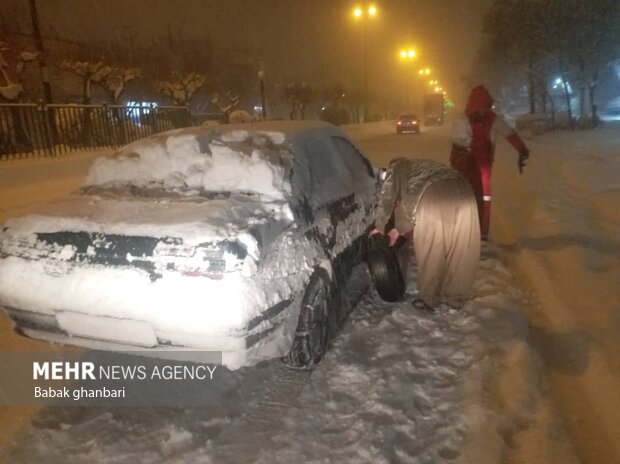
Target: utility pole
(261, 77)
(45, 79)
(365, 71)
(364, 15)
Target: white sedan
(239, 239)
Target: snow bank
(240, 116)
(533, 124)
(199, 159)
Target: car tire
(385, 269)
(312, 333)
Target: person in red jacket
(473, 149)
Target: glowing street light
(407, 54)
(358, 11)
(361, 14)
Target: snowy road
(528, 372)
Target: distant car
(433, 108)
(433, 120)
(408, 123)
(240, 239)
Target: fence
(29, 129)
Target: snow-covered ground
(527, 372)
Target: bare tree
(298, 97)
(596, 44)
(114, 82)
(11, 90)
(575, 38)
(515, 34)
(88, 72)
(114, 85)
(181, 87)
(343, 105)
(226, 103)
(12, 86)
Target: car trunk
(184, 234)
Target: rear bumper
(245, 349)
(122, 309)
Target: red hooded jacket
(485, 125)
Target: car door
(365, 179)
(330, 194)
(334, 187)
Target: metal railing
(29, 129)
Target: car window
(360, 167)
(330, 177)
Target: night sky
(316, 41)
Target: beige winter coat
(403, 187)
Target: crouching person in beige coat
(437, 206)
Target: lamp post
(407, 55)
(363, 14)
(261, 79)
(34, 17)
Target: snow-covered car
(239, 238)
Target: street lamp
(362, 14)
(407, 55)
(261, 78)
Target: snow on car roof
(251, 158)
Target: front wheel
(311, 337)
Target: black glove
(523, 156)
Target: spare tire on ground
(385, 269)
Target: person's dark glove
(523, 156)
